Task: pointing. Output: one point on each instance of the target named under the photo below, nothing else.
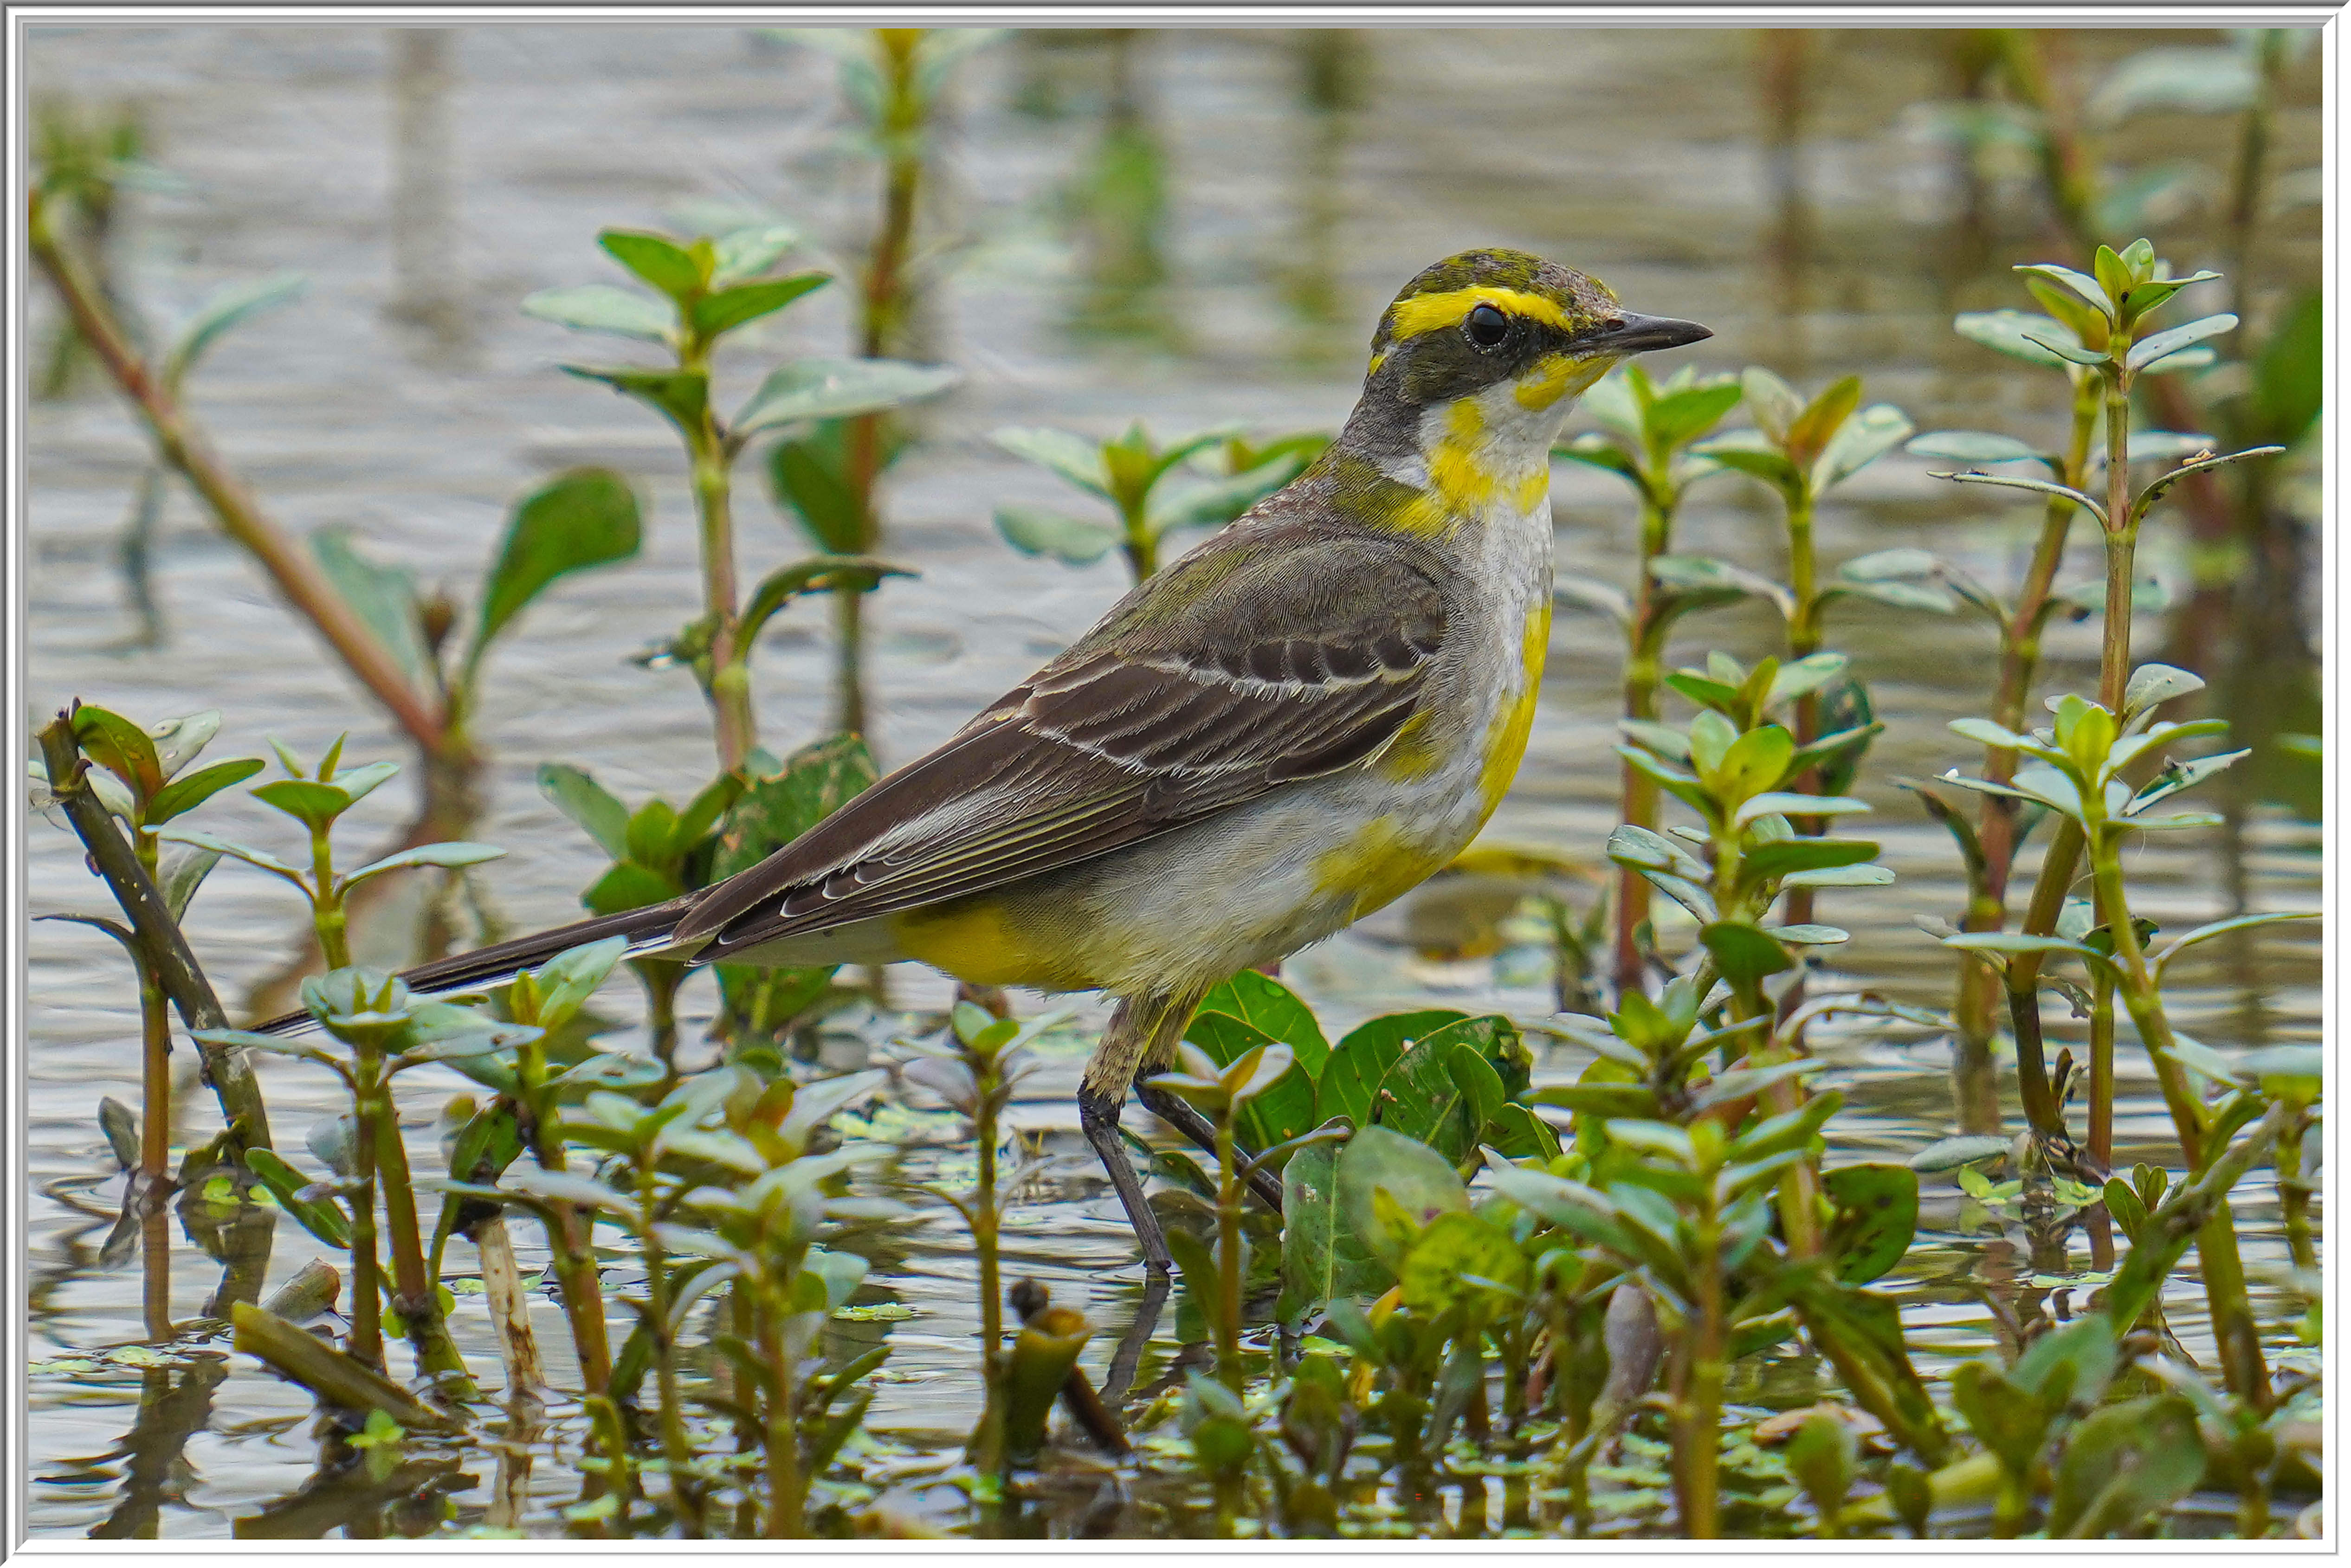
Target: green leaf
(251, 856)
(594, 808)
(727, 308)
(224, 308)
(119, 746)
(819, 574)
(1771, 403)
(1770, 467)
(629, 885)
(1421, 1097)
(2148, 350)
(313, 804)
(322, 1218)
(1073, 541)
(1073, 457)
(451, 854)
(1276, 1115)
(656, 259)
(1274, 1009)
(1876, 1216)
(602, 308)
(1219, 501)
(586, 518)
(2288, 374)
(383, 597)
(814, 782)
(1743, 954)
(1419, 1184)
(1597, 451)
(1861, 441)
(2091, 292)
(809, 389)
(743, 254)
(1966, 1148)
(1461, 1260)
(2040, 486)
(185, 794)
(808, 478)
(1973, 446)
(1322, 1258)
(684, 396)
(1349, 1079)
(1677, 418)
(2124, 1463)
(2016, 334)
(1784, 856)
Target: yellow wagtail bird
(1282, 731)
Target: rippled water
(1635, 154)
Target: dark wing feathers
(1259, 660)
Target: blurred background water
(1187, 227)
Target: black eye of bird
(1486, 327)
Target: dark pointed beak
(1635, 334)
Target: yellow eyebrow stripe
(1428, 312)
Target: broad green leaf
(383, 597)
(596, 808)
(586, 518)
(1861, 441)
(119, 746)
(323, 1219)
(602, 307)
(2016, 334)
(1973, 446)
(2145, 351)
(682, 396)
(1350, 1081)
(656, 259)
(812, 783)
(1278, 1112)
(745, 253)
(1743, 954)
(314, 804)
(1594, 450)
(819, 574)
(1876, 1216)
(1073, 541)
(1421, 1097)
(806, 389)
(2091, 292)
(1419, 1184)
(1323, 1258)
(452, 854)
(187, 793)
(1265, 1002)
(1677, 418)
(1072, 456)
(727, 308)
(1966, 1148)
(2124, 1463)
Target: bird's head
(1476, 363)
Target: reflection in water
(1118, 210)
(1331, 67)
(427, 287)
(173, 1402)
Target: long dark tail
(645, 928)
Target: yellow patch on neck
(1557, 376)
(1428, 312)
(1464, 481)
(1506, 739)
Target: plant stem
(155, 1083)
(509, 1308)
(366, 1339)
(182, 446)
(785, 1510)
(1697, 1425)
(1229, 1256)
(165, 950)
(569, 1239)
(326, 903)
(1803, 640)
(2293, 1193)
(2102, 1068)
(730, 676)
(1975, 1006)
(684, 1492)
(413, 1295)
(988, 1443)
(1637, 804)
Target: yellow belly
(984, 941)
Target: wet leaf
(1351, 1077)
(322, 1218)
(2124, 1463)
(1323, 1258)
(1421, 1097)
(1419, 1182)
(1876, 1216)
(121, 1126)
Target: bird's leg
(1180, 1116)
(1142, 1032)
